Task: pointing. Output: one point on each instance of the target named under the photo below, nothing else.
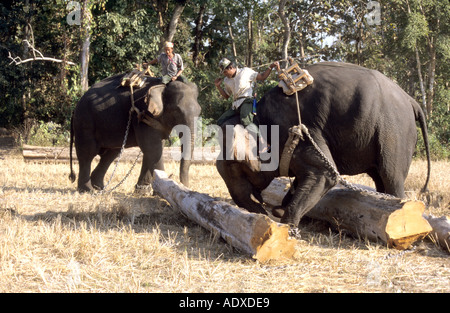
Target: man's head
(227, 67)
(168, 47)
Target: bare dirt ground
(54, 239)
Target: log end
(271, 241)
(407, 225)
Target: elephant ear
(154, 101)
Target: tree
(168, 26)
(287, 29)
(86, 21)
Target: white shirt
(240, 86)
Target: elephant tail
(72, 175)
(420, 117)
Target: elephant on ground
(361, 121)
(100, 119)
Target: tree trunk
(392, 221)
(431, 74)
(287, 29)
(85, 44)
(198, 34)
(171, 30)
(233, 43)
(253, 234)
(250, 38)
(168, 29)
(422, 86)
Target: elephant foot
(278, 211)
(143, 189)
(86, 187)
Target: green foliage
(48, 134)
(121, 40)
(416, 29)
(438, 150)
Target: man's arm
(266, 73)
(217, 82)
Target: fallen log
(30, 153)
(253, 234)
(393, 221)
(441, 230)
(62, 154)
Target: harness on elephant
(136, 79)
(292, 80)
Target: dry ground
(53, 239)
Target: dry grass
(53, 239)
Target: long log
(393, 221)
(61, 154)
(253, 234)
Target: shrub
(48, 134)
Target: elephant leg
(86, 152)
(98, 174)
(279, 211)
(394, 185)
(309, 191)
(84, 181)
(152, 159)
(379, 185)
(312, 180)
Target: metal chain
(104, 190)
(294, 231)
(336, 173)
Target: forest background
(89, 40)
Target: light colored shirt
(170, 66)
(240, 86)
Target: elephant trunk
(187, 156)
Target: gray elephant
(361, 121)
(100, 119)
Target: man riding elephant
(171, 65)
(238, 83)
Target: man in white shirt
(238, 83)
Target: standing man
(171, 65)
(238, 83)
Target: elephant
(100, 119)
(361, 121)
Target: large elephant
(100, 119)
(361, 121)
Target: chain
(294, 231)
(336, 174)
(104, 190)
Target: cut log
(30, 153)
(441, 230)
(253, 234)
(393, 221)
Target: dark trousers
(245, 112)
